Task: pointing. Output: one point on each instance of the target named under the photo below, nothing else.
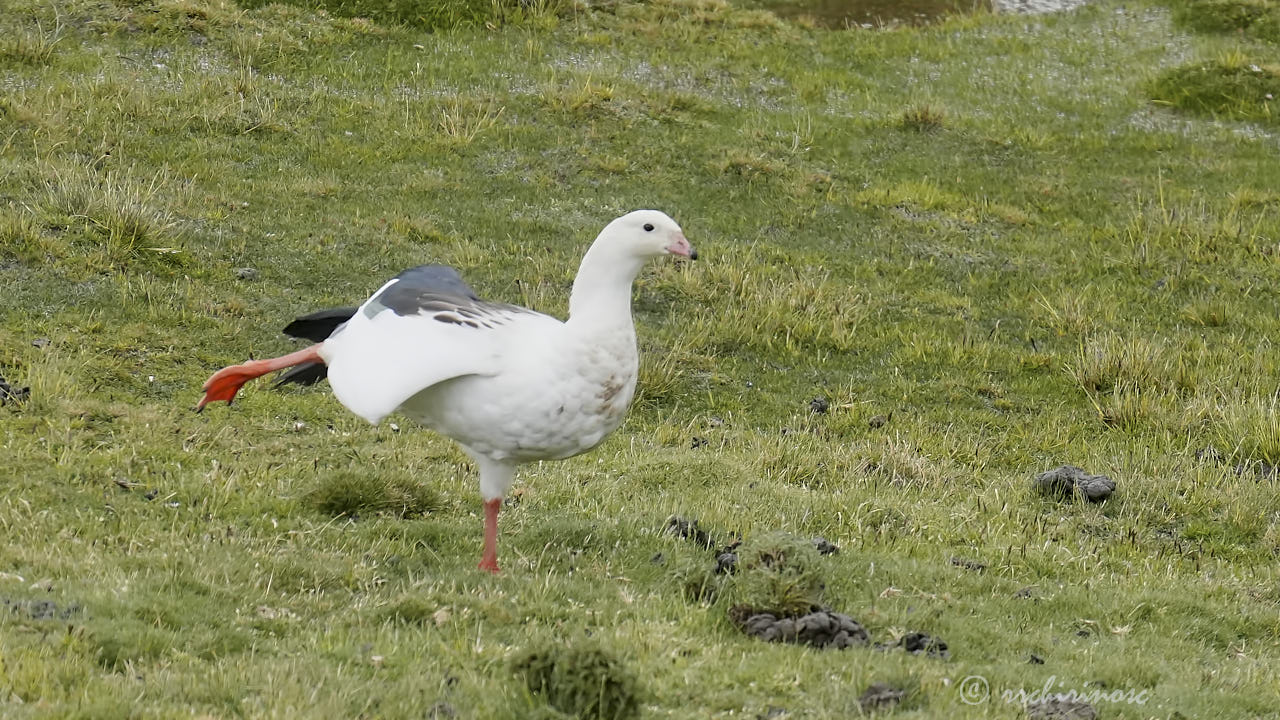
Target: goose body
(509, 384)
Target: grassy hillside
(993, 246)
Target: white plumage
(508, 384)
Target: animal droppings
(1068, 480)
(820, 628)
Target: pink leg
(226, 382)
(489, 561)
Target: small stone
(12, 393)
(973, 565)
(246, 273)
(819, 405)
(1061, 709)
(824, 546)
(726, 562)
(918, 643)
(1209, 453)
(266, 612)
(878, 421)
(40, 342)
(880, 696)
(689, 530)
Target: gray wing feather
(440, 292)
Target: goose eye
(648, 227)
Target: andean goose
(510, 385)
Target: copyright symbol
(974, 690)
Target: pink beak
(680, 246)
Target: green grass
(1232, 86)
(1259, 18)
(988, 243)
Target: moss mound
(581, 679)
(1260, 18)
(1231, 87)
(354, 494)
(778, 573)
(697, 579)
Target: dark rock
(40, 609)
(697, 442)
(878, 421)
(1035, 659)
(819, 405)
(246, 273)
(820, 628)
(880, 696)
(918, 643)
(1061, 709)
(151, 494)
(824, 546)
(1024, 593)
(1066, 480)
(1261, 469)
(12, 393)
(689, 530)
(726, 562)
(973, 565)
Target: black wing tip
(319, 325)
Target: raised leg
(227, 382)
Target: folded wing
(421, 328)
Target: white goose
(510, 385)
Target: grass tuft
(462, 122)
(697, 579)
(32, 46)
(923, 118)
(1259, 18)
(1231, 87)
(113, 217)
(352, 494)
(1109, 361)
(1249, 430)
(581, 678)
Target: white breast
(556, 398)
